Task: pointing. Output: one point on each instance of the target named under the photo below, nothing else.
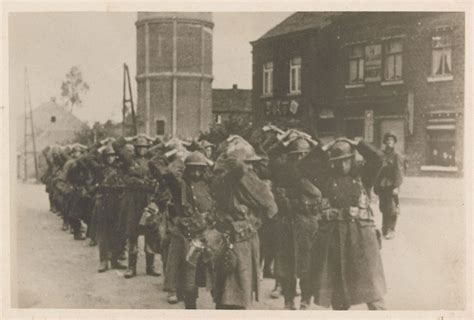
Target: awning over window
(441, 127)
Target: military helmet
(341, 150)
(196, 159)
(299, 145)
(245, 152)
(206, 144)
(108, 151)
(389, 134)
(141, 141)
(78, 147)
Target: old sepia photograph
(301, 160)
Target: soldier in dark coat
(106, 205)
(387, 185)
(346, 263)
(191, 211)
(298, 200)
(242, 199)
(79, 200)
(138, 188)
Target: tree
(73, 87)
(90, 135)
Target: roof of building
(300, 21)
(47, 132)
(232, 100)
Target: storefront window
(326, 124)
(442, 146)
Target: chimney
(234, 87)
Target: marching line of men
(217, 215)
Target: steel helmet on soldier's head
(108, 151)
(196, 159)
(389, 134)
(246, 153)
(206, 144)
(299, 145)
(141, 141)
(341, 150)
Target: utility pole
(128, 102)
(29, 116)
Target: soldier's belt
(350, 213)
(139, 187)
(109, 189)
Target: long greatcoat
(234, 188)
(346, 263)
(180, 275)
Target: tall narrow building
(174, 73)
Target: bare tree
(73, 87)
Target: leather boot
(104, 266)
(132, 266)
(290, 304)
(115, 264)
(190, 303)
(150, 265)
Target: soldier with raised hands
(298, 207)
(242, 199)
(191, 211)
(346, 265)
(138, 188)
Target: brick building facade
(361, 74)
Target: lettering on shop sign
(369, 126)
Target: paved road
(424, 265)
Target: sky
(49, 44)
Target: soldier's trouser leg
(288, 286)
(376, 305)
(338, 299)
(190, 298)
(306, 290)
(104, 243)
(388, 204)
(132, 257)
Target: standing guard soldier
(138, 189)
(192, 211)
(346, 263)
(241, 198)
(387, 186)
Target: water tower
(174, 72)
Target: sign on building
(369, 126)
(373, 63)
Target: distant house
(232, 102)
(53, 124)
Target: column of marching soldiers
(218, 215)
